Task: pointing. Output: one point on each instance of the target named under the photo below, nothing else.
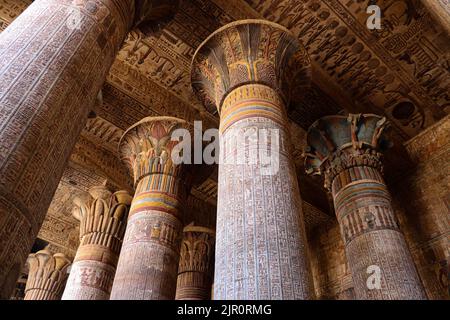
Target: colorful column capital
(148, 263)
(347, 150)
(197, 250)
(249, 52)
(336, 143)
(147, 146)
(103, 218)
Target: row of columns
(247, 71)
(54, 59)
(346, 150)
(91, 275)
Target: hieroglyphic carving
(242, 71)
(363, 62)
(103, 133)
(314, 217)
(423, 206)
(102, 161)
(51, 75)
(152, 98)
(416, 43)
(243, 55)
(440, 10)
(10, 9)
(60, 228)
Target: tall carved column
(246, 70)
(53, 61)
(195, 271)
(47, 276)
(150, 254)
(102, 227)
(347, 151)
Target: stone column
(196, 268)
(150, 254)
(347, 151)
(440, 10)
(102, 227)
(53, 61)
(246, 70)
(47, 275)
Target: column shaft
(372, 237)
(261, 250)
(347, 150)
(149, 258)
(440, 10)
(53, 61)
(247, 71)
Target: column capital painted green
(335, 143)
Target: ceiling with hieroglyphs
(400, 71)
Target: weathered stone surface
(440, 10)
(423, 206)
(53, 60)
(399, 71)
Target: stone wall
(423, 206)
(332, 279)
